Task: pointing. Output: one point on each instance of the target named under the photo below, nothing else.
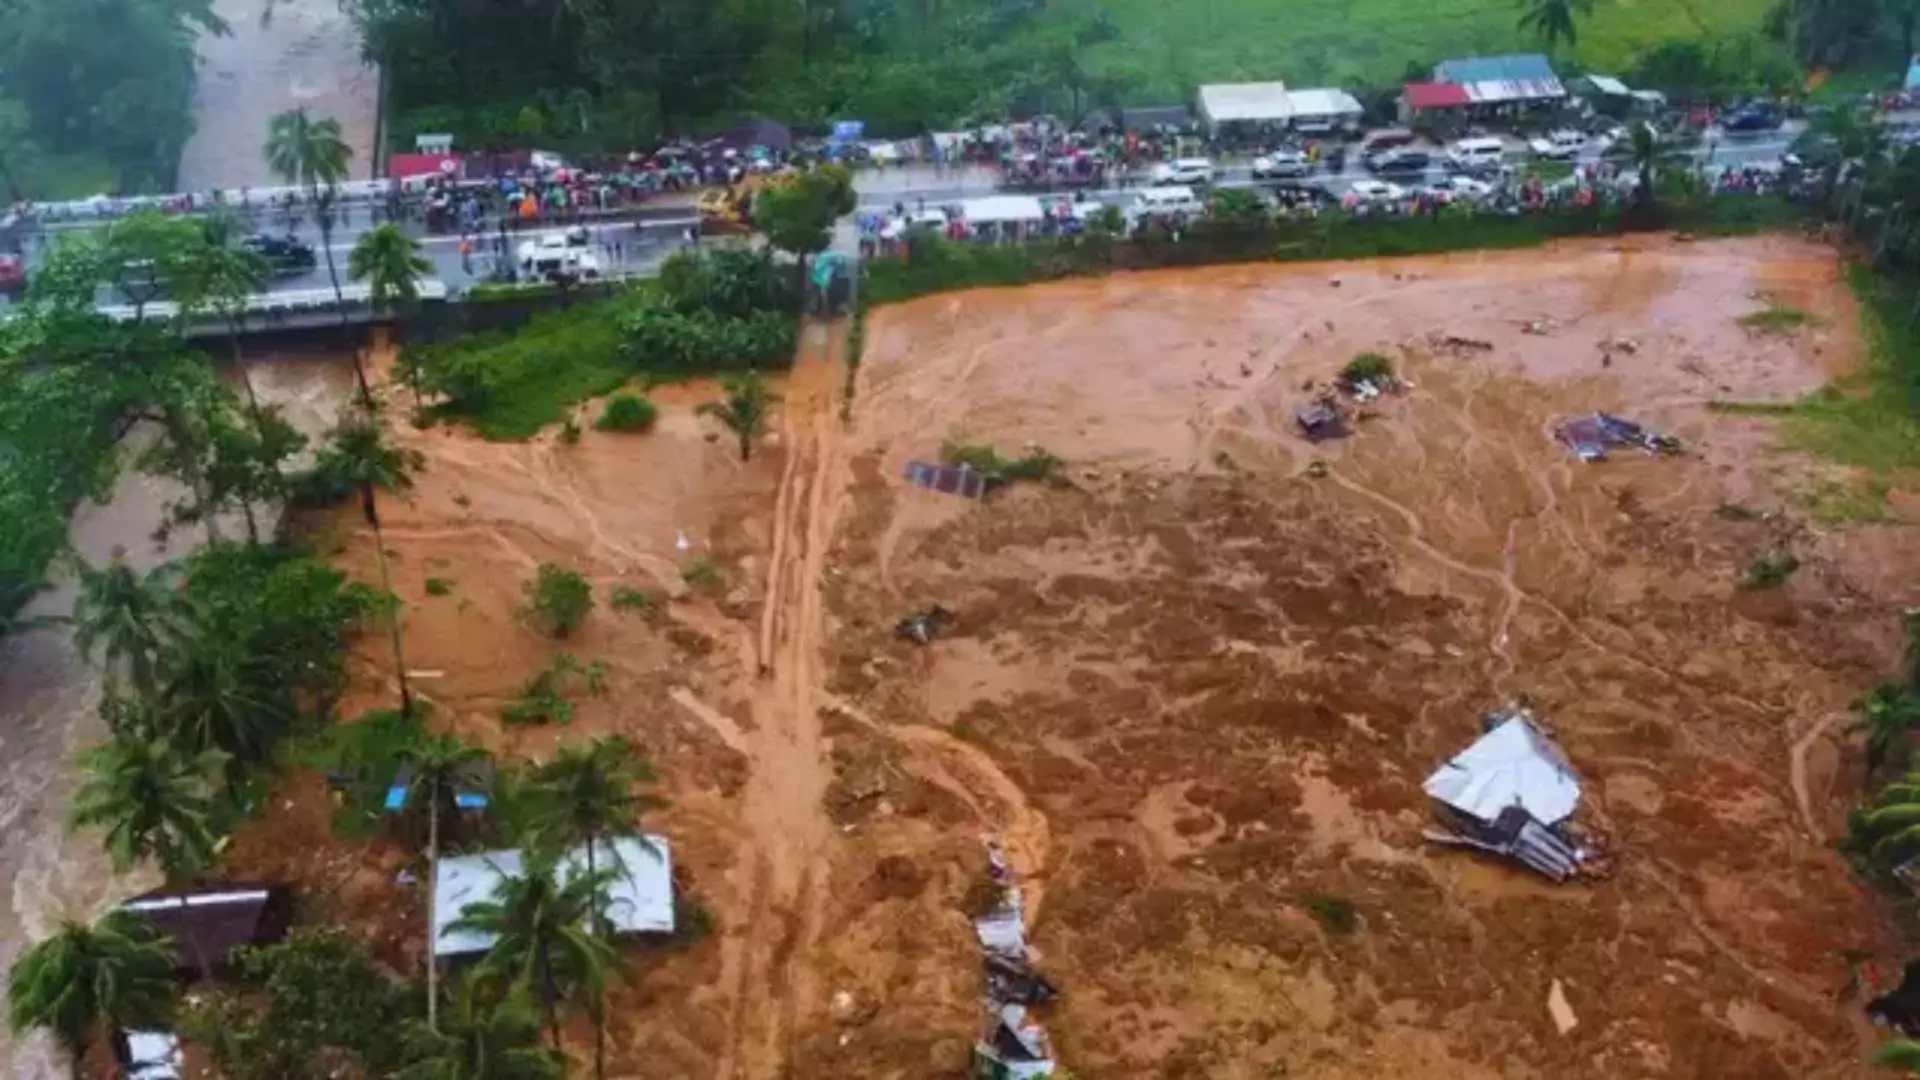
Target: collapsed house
(1014, 1045)
(1511, 793)
(1592, 436)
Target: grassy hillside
(1164, 48)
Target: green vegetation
(628, 599)
(559, 599)
(626, 412)
(708, 312)
(744, 410)
(1335, 914)
(702, 574)
(84, 112)
(544, 700)
(1036, 463)
(1769, 570)
(1777, 319)
(85, 983)
(439, 587)
(1367, 367)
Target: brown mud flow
(1196, 689)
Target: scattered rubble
(1593, 435)
(922, 626)
(1015, 1044)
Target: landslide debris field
(1195, 688)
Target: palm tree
(744, 411)
(441, 765)
(154, 801)
(131, 617)
(1554, 20)
(310, 152)
(389, 260)
(483, 1034)
(86, 982)
(224, 277)
(1888, 714)
(586, 793)
(542, 930)
(220, 697)
(1643, 152)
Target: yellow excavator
(728, 211)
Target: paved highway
(634, 243)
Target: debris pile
(961, 480)
(1014, 1045)
(1592, 436)
(1513, 793)
(922, 626)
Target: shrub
(702, 574)
(626, 412)
(1336, 914)
(1037, 464)
(659, 337)
(569, 432)
(543, 700)
(1367, 367)
(1776, 320)
(439, 587)
(735, 283)
(1769, 570)
(558, 600)
(626, 598)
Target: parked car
(1753, 116)
(1404, 160)
(1165, 202)
(1476, 154)
(1279, 164)
(1377, 191)
(1387, 139)
(1458, 188)
(1183, 171)
(1561, 145)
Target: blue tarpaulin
(849, 130)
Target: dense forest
(99, 91)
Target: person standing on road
(466, 254)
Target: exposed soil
(1196, 689)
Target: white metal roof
(1326, 101)
(1223, 103)
(155, 1055)
(1512, 765)
(1607, 84)
(1002, 208)
(642, 890)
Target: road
(634, 243)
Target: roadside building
(1324, 109)
(208, 927)
(1485, 86)
(1244, 110)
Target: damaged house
(1510, 793)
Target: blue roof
(1521, 67)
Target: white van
(1165, 202)
(1477, 153)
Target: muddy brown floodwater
(1197, 688)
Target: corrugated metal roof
(1224, 103)
(1325, 101)
(1512, 765)
(1435, 96)
(641, 896)
(1515, 67)
(1500, 91)
(1607, 84)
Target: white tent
(1228, 103)
(1512, 765)
(1324, 104)
(641, 893)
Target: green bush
(544, 700)
(509, 384)
(1336, 914)
(734, 283)
(439, 587)
(1037, 464)
(1770, 570)
(558, 600)
(627, 598)
(626, 412)
(659, 337)
(702, 574)
(1367, 367)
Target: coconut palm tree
(1555, 21)
(218, 696)
(130, 617)
(389, 261)
(587, 793)
(86, 982)
(223, 277)
(542, 931)
(154, 801)
(310, 152)
(744, 411)
(442, 765)
(484, 1033)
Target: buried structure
(1510, 793)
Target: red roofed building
(1420, 97)
(403, 166)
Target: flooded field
(1196, 689)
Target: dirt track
(1196, 691)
